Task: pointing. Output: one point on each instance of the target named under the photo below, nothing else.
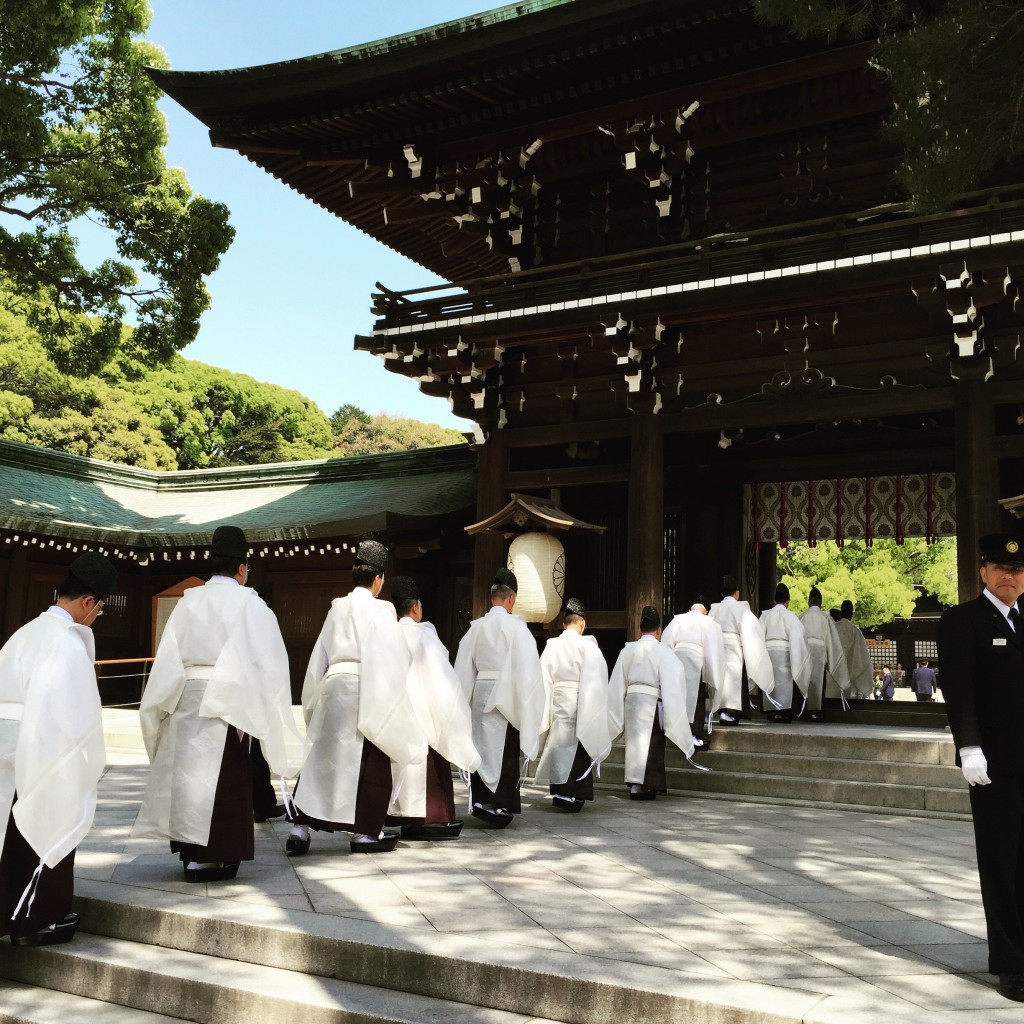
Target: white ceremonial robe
(499, 669)
(787, 649)
(442, 711)
(858, 660)
(356, 687)
(696, 640)
(576, 680)
(645, 673)
(51, 734)
(828, 663)
(221, 663)
(744, 645)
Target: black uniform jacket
(982, 665)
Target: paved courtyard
(882, 911)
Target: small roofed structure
(526, 512)
(1015, 506)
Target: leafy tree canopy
(82, 137)
(358, 433)
(957, 74)
(341, 416)
(884, 581)
(179, 415)
(182, 415)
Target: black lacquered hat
(373, 554)
(96, 574)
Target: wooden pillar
(489, 548)
(977, 509)
(645, 544)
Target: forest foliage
(885, 580)
(178, 414)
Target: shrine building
(679, 288)
(680, 297)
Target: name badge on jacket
(1000, 642)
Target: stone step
(894, 773)
(858, 743)
(215, 990)
(836, 792)
(20, 1004)
(26, 1004)
(841, 765)
(892, 713)
(228, 961)
(832, 791)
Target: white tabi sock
(300, 832)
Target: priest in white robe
(745, 648)
(499, 669)
(787, 649)
(51, 755)
(855, 650)
(577, 741)
(220, 679)
(828, 662)
(696, 640)
(424, 801)
(359, 716)
(647, 701)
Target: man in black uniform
(981, 652)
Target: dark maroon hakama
(507, 793)
(54, 890)
(576, 787)
(373, 795)
(231, 828)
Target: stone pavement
(879, 912)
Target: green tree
(884, 580)
(957, 75)
(383, 433)
(341, 416)
(213, 417)
(85, 416)
(182, 415)
(82, 137)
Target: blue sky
(294, 288)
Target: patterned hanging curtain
(854, 508)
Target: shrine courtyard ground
(687, 909)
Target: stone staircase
(146, 957)
(888, 769)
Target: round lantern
(538, 560)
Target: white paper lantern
(538, 560)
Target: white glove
(974, 766)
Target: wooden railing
(142, 675)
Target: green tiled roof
(61, 495)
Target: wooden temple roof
(545, 132)
(661, 204)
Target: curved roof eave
(91, 501)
